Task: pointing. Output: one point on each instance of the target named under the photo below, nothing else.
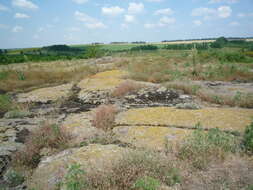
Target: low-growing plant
(5, 104)
(16, 114)
(46, 136)
(74, 179)
(147, 183)
(201, 147)
(104, 116)
(124, 88)
(14, 178)
(248, 138)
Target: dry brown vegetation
(242, 100)
(125, 87)
(104, 116)
(46, 136)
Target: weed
(16, 114)
(14, 178)
(104, 116)
(248, 138)
(74, 179)
(124, 88)
(201, 146)
(5, 104)
(147, 183)
(46, 136)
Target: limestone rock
(52, 169)
(45, 95)
(234, 119)
(155, 138)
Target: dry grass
(104, 116)
(244, 100)
(46, 136)
(125, 88)
(35, 78)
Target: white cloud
(124, 26)
(224, 11)
(197, 22)
(164, 21)
(21, 15)
(129, 18)
(3, 8)
(223, 1)
(80, 1)
(167, 11)
(90, 22)
(135, 8)
(17, 29)
(74, 29)
(209, 13)
(155, 1)
(41, 29)
(242, 15)
(234, 23)
(24, 4)
(112, 11)
(149, 25)
(3, 26)
(35, 36)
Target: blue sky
(33, 23)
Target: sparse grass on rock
(104, 116)
(46, 136)
(124, 88)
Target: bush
(124, 88)
(147, 183)
(144, 47)
(46, 136)
(5, 104)
(14, 178)
(202, 146)
(74, 179)
(248, 138)
(104, 116)
(93, 51)
(17, 114)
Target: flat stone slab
(52, 170)
(155, 138)
(79, 127)
(45, 95)
(234, 119)
(104, 81)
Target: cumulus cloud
(3, 26)
(3, 8)
(234, 23)
(112, 11)
(208, 13)
(129, 18)
(224, 1)
(80, 1)
(21, 15)
(197, 22)
(163, 22)
(24, 4)
(17, 29)
(135, 8)
(89, 21)
(167, 11)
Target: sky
(36, 23)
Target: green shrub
(74, 179)
(14, 178)
(144, 47)
(93, 51)
(147, 183)
(16, 114)
(202, 146)
(5, 103)
(248, 138)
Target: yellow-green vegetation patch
(46, 94)
(222, 118)
(102, 81)
(79, 127)
(53, 169)
(155, 138)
